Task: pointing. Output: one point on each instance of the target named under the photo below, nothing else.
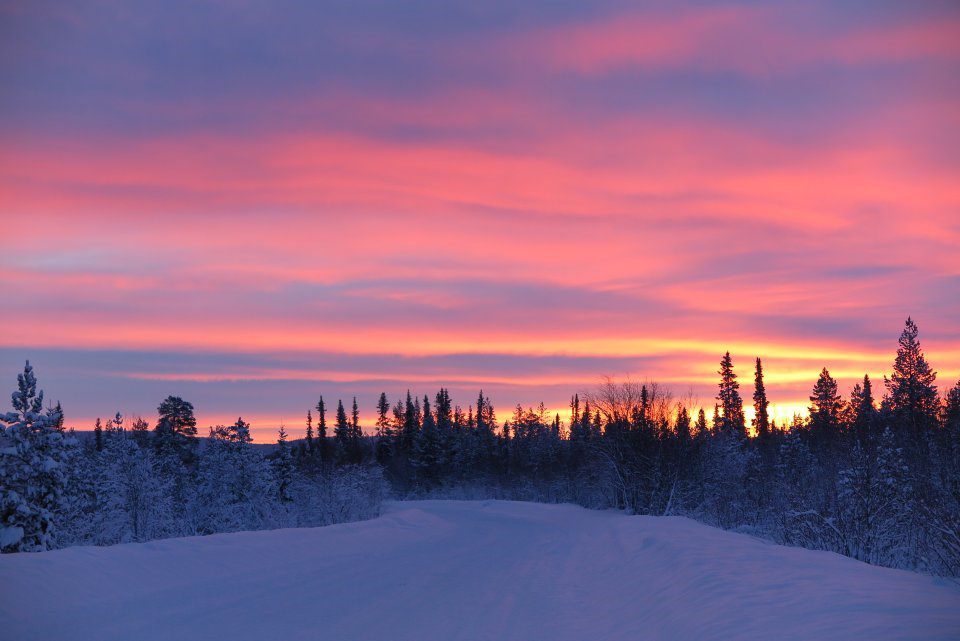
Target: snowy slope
(459, 570)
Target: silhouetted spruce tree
(682, 425)
(587, 423)
(700, 427)
(98, 435)
(480, 412)
(356, 432)
(486, 436)
(912, 409)
(579, 433)
(384, 446)
(443, 411)
(911, 389)
(471, 420)
(731, 405)
(411, 425)
(863, 419)
(761, 420)
(322, 444)
(642, 421)
(825, 410)
(428, 419)
(342, 433)
(443, 408)
(383, 420)
(427, 450)
(309, 440)
(486, 416)
(398, 419)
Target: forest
(875, 476)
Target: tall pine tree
(309, 441)
(761, 420)
(863, 413)
(322, 431)
(825, 410)
(911, 389)
(342, 432)
(731, 417)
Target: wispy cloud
(515, 197)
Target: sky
(250, 204)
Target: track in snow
(450, 570)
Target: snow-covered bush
(339, 495)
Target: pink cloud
(755, 41)
(606, 233)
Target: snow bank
(450, 570)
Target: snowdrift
(450, 570)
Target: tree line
(875, 476)
(131, 483)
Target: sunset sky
(250, 204)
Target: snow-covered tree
(726, 461)
(32, 455)
(874, 504)
(134, 495)
(797, 510)
(233, 488)
(941, 508)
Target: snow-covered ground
(469, 570)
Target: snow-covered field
(469, 570)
